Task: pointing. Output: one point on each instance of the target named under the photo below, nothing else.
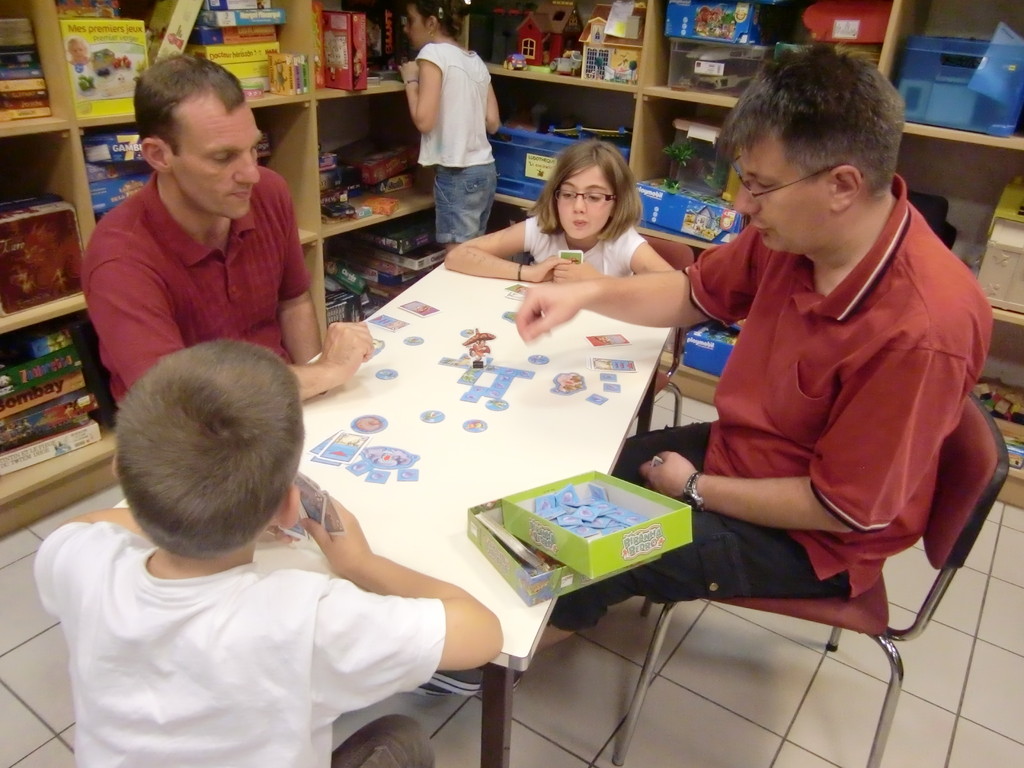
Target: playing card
(341, 447)
(576, 257)
(517, 291)
(608, 340)
(419, 308)
(607, 364)
(317, 505)
(387, 322)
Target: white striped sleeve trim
(844, 517)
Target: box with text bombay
(597, 524)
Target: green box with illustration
(597, 524)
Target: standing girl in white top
(588, 204)
(454, 108)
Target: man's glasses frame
(763, 192)
(592, 198)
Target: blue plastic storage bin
(524, 159)
(971, 85)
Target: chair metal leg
(892, 695)
(677, 410)
(833, 640)
(646, 673)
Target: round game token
(378, 345)
(474, 425)
(467, 333)
(432, 417)
(539, 359)
(387, 373)
(413, 341)
(497, 405)
(369, 424)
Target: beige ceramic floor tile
(1009, 560)
(53, 754)
(575, 694)
(1002, 619)
(458, 745)
(679, 728)
(747, 669)
(17, 545)
(23, 615)
(625, 632)
(974, 746)
(837, 722)
(994, 696)
(21, 732)
(37, 671)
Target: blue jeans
(463, 198)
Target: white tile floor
(739, 689)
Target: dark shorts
(727, 558)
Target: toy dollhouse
(549, 31)
(615, 58)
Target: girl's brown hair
(577, 158)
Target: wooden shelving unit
(57, 164)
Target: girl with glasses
(588, 204)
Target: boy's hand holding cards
(316, 505)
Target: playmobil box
(706, 218)
(708, 347)
(763, 22)
(345, 50)
(534, 576)
(715, 67)
(104, 60)
(596, 524)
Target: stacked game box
(170, 25)
(242, 35)
(23, 92)
(100, 9)
(104, 60)
(40, 253)
(45, 400)
(248, 62)
(114, 165)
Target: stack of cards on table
(316, 505)
(607, 364)
(585, 510)
(387, 323)
(517, 292)
(608, 340)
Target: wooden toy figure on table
(478, 349)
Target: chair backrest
(973, 464)
(678, 255)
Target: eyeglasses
(591, 198)
(755, 189)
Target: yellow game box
(234, 54)
(104, 59)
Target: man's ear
(846, 183)
(157, 153)
(288, 512)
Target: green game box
(665, 525)
(533, 584)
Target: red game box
(345, 50)
(40, 255)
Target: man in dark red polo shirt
(863, 335)
(209, 248)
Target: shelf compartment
(33, 492)
(497, 70)
(410, 201)
(41, 313)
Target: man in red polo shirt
(209, 248)
(863, 335)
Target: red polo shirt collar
(176, 238)
(857, 287)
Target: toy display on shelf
(1002, 266)
(23, 91)
(548, 32)
(612, 44)
(104, 60)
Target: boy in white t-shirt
(181, 651)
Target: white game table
(540, 437)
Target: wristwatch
(690, 495)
